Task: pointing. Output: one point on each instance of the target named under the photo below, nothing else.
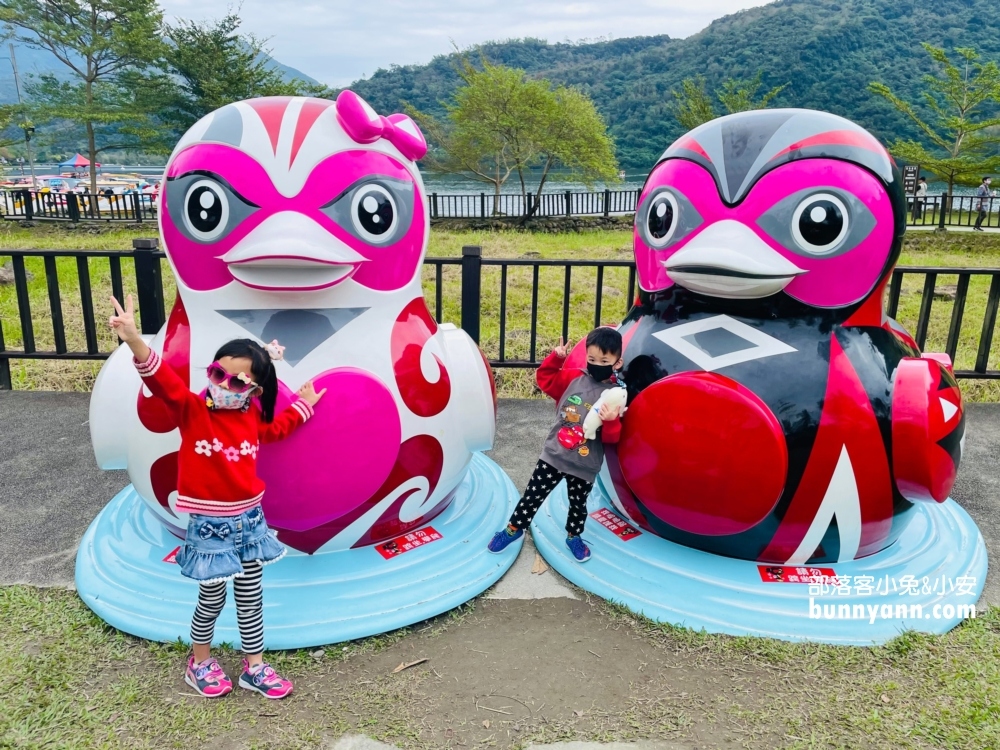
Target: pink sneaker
(264, 680)
(207, 678)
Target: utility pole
(28, 130)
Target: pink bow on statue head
(364, 125)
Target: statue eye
(819, 223)
(377, 210)
(660, 219)
(206, 210)
(204, 207)
(666, 216)
(373, 212)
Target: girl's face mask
(223, 398)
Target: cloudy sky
(337, 42)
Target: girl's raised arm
(123, 323)
(163, 382)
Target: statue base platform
(124, 575)
(923, 582)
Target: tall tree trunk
(496, 191)
(549, 160)
(91, 78)
(92, 155)
(91, 138)
(524, 192)
(537, 197)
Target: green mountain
(826, 50)
(32, 62)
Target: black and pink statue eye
(377, 210)
(818, 222)
(666, 216)
(205, 207)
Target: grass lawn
(921, 248)
(545, 671)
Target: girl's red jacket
(217, 460)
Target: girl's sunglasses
(235, 383)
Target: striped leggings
(248, 593)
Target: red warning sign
(792, 574)
(401, 544)
(615, 524)
(172, 557)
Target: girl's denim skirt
(217, 546)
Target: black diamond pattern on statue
(299, 331)
(716, 342)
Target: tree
(575, 137)
(737, 95)
(962, 142)
(490, 122)
(693, 107)
(111, 49)
(216, 65)
(500, 123)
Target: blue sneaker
(579, 549)
(501, 539)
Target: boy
(567, 454)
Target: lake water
(459, 185)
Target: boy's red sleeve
(611, 430)
(552, 378)
(286, 423)
(166, 385)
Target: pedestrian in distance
(567, 453)
(920, 199)
(227, 537)
(983, 194)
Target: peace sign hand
(124, 322)
(560, 350)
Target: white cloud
(339, 42)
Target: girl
(227, 536)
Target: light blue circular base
(674, 584)
(309, 600)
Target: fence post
(73, 208)
(137, 207)
(5, 381)
(944, 205)
(434, 205)
(472, 266)
(607, 201)
(27, 205)
(569, 204)
(482, 205)
(149, 285)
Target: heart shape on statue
(338, 459)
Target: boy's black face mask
(600, 372)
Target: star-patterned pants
(542, 482)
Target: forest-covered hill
(826, 50)
(32, 62)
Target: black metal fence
(510, 306)
(31, 205)
(942, 211)
(564, 203)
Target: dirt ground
(560, 669)
(502, 673)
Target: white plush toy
(615, 398)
